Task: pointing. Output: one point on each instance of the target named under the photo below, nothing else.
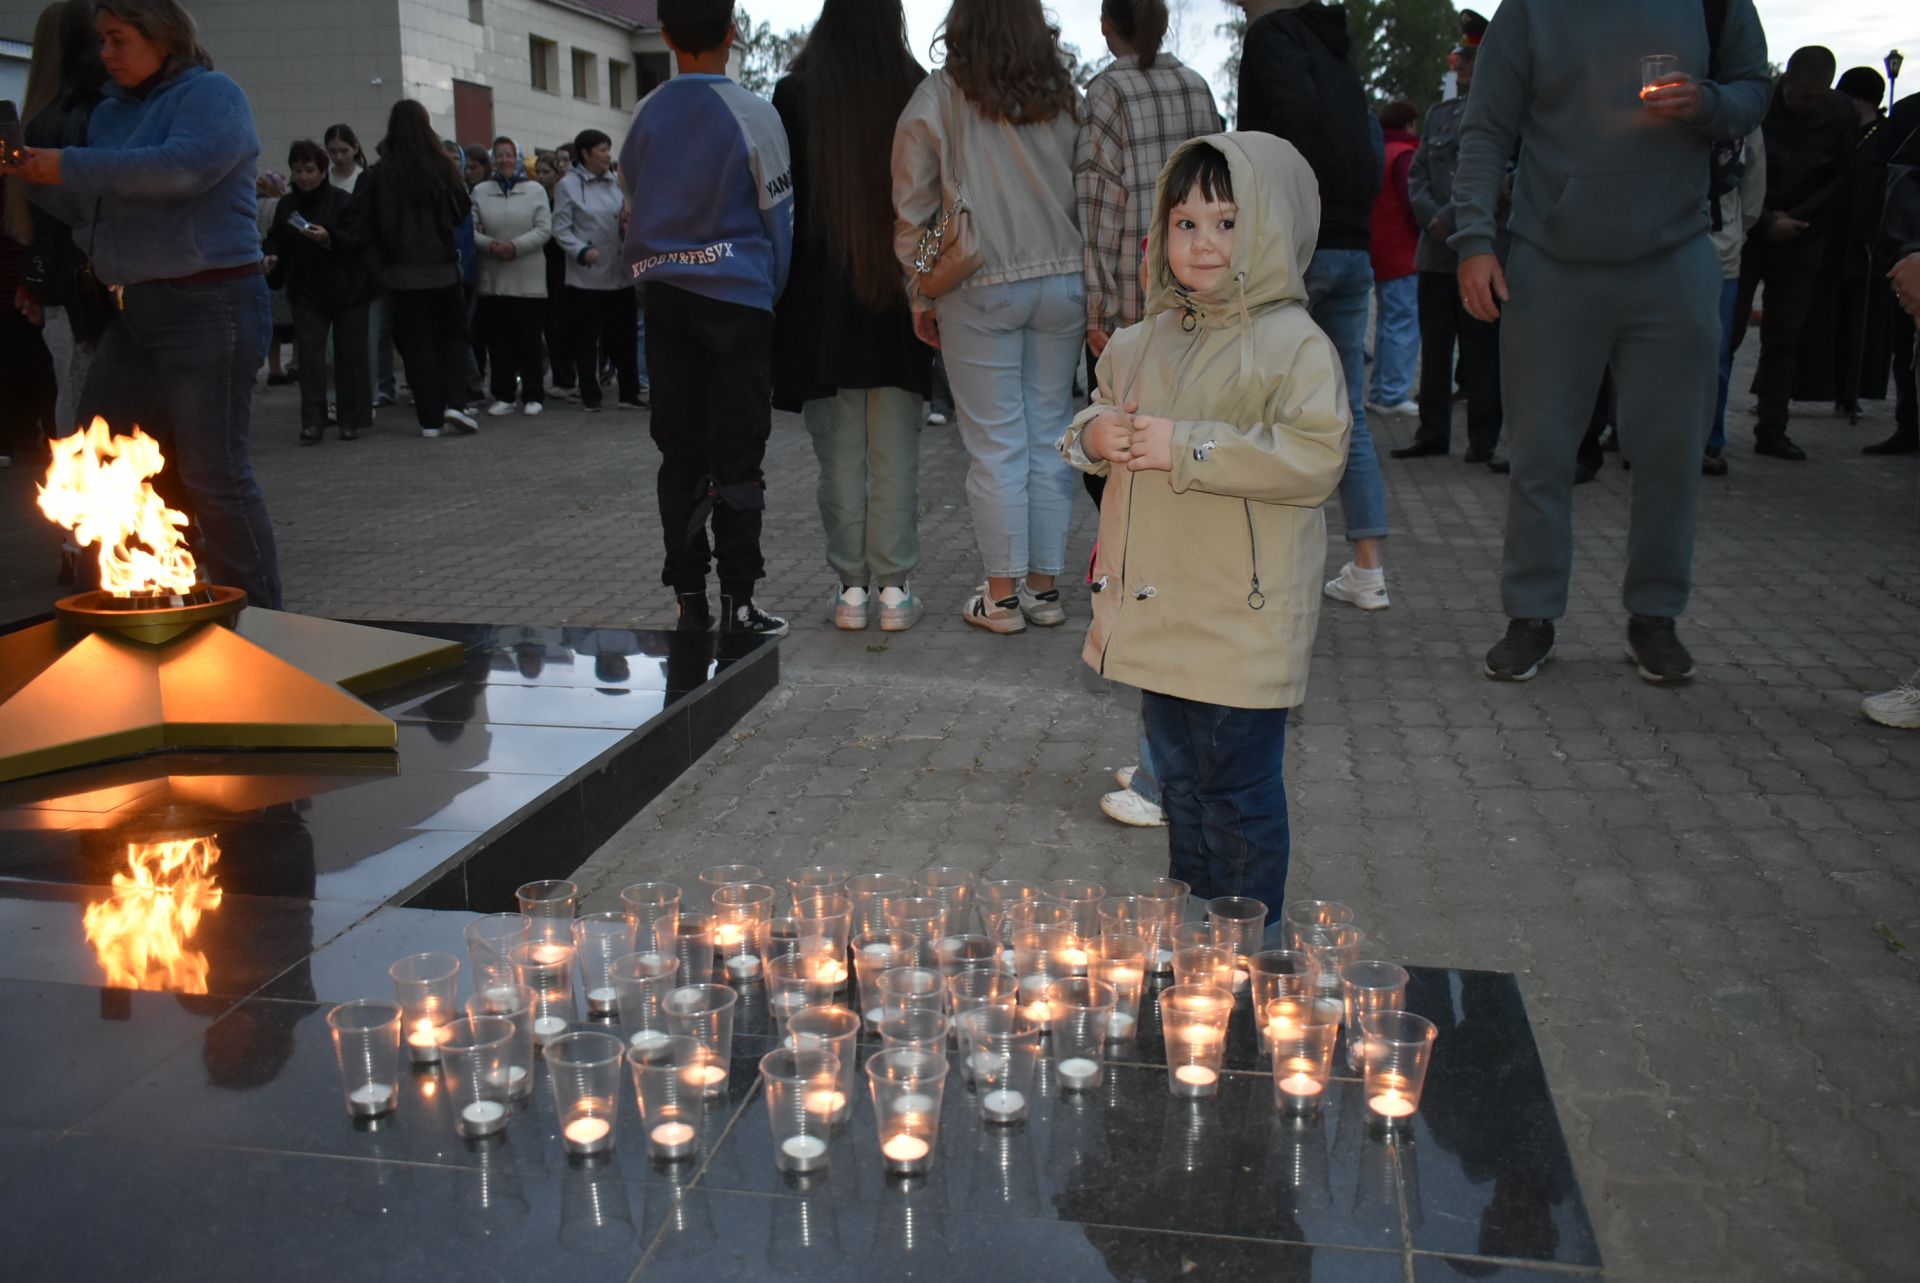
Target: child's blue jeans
(1224, 789)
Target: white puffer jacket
(518, 214)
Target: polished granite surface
(516, 764)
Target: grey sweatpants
(1656, 324)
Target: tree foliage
(765, 55)
(1399, 47)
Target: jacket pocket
(1594, 210)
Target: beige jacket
(520, 216)
(1018, 180)
(1740, 207)
(1207, 583)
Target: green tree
(765, 56)
(1399, 47)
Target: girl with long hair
(346, 161)
(407, 210)
(1002, 116)
(844, 351)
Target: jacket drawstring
(1246, 326)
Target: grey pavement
(1709, 894)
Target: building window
(654, 69)
(477, 11)
(544, 58)
(617, 96)
(586, 86)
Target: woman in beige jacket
(1221, 422)
(998, 124)
(511, 227)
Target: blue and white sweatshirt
(707, 167)
(164, 186)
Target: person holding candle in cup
(1220, 422)
(1611, 268)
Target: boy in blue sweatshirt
(705, 166)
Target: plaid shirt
(1134, 120)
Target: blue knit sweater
(164, 186)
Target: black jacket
(1809, 161)
(1900, 206)
(409, 241)
(326, 278)
(825, 338)
(1296, 82)
(57, 270)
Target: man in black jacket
(1296, 83)
(1809, 132)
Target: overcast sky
(1858, 31)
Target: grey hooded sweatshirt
(1600, 178)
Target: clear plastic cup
(871, 893)
(490, 942)
(817, 880)
(550, 905)
(475, 1058)
(925, 918)
(727, 875)
(918, 1029)
(1398, 1046)
(654, 908)
(1301, 916)
(911, 989)
(790, 1078)
(829, 917)
(1204, 964)
(873, 956)
(705, 1012)
(830, 1029)
(995, 899)
(640, 982)
(1279, 973)
(1657, 69)
(1119, 958)
(513, 1003)
(1368, 988)
(738, 912)
(1238, 923)
(906, 1088)
(1083, 900)
(692, 945)
(1301, 1036)
(366, 1042)
(1001, 1050)
(1331, 949)
(954, 886)
(1078, 1027)
(584, 1070)
(794, 983)
(1145, 917)
(427, 986)
(1031, 915)
(547, 968)
(978, 987)
(964, 952)
(1194, 1020)
(1042, 955)
(669, 1081)
(599, 938)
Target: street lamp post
(1893, 62)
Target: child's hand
(1109, 437)
(1152, 445)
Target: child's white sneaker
(1366, 589)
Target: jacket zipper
(1256, 599)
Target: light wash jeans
(1396, 340)
(1339, 282)
(868, 444)
(1011, 350)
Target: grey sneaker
(1042, 609)
(1518, 656)
(899, 609)
(1655, 648)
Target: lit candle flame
(97, 487)
(140, 932)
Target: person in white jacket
(511, 226)
(1741, 171)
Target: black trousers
(1789, 270)
(604, 321)
(512, 329)
(352, 364)
(430, 329)
(559, 344)
(1444, 321)
(712, 368)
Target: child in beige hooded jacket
(1221, 423)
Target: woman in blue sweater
(161, 199)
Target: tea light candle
(1078, 1073)
(1196, 1080)
(482, 1118)
(648, 1041)
(906, 1154)
(1006, 960)
(600, 1000)
(547, 954)
(1121, 1026)
(984, 1064)
(743, 967)
(1301, 1092)
(1163, 960)
(423, 1042)
(830, 971)
(672, 1140)
(1392, 1104)
(372, 1100)
(913, 1103)
(711, 1079)
(1240, 979)
(803, 1153)
(830, 1106)
(1074, 959)
(874, 1016)
(589, 1136)
(1003, 1105)
(547, 1028)
(1124, 977)
(728, 936)
(514, 1078)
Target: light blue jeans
(1396, 340)
(1011, 350)
(1339, 282)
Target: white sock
(1371, 575)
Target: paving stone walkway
(1711, 895)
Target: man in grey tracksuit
(1611, 267)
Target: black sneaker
(1712, 464)
(1518, 655)
(743, 616)
(696, 616)
(1654, 646)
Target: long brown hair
(65, 66)
(857, 73)
(1141, 23)
(1006, 58)
(414, 162)
(167, 24)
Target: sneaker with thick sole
(900, 609)
(500, 409)
(1898, 708)
(1128, 807)
(1042, 609)
(1124, 776)
(460, 421)
(532, 408)
(1518, 656)
(1655, 648)
(1001, 616)
(1398, 407)
(1367, 594)
(936, 420)
(429, 432)
(850, 608)
(743, 617)
(695, 615)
